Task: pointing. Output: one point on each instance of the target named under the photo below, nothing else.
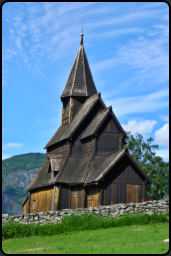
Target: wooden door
(132, 192)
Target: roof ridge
(76, 66)
(103, 110)
(35, 178)
(117, 151)
(62, 127)
(92, 97)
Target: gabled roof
(80, 81)
(102, 167)
(25, 200)
(97, 174)
(96, 123)
(68, 130)
(118, 124)
(43, 178)
(99, 119)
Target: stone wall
(116, 210)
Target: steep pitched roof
(95, 174)
(80, 81)
(101, 166)
(99, 120)
(96, 123)
(25, 200)
(67, 131)
(43, 178)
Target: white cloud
(141, 127)
(6, 146)
(163, 153)
(165, 118)
(139, 104)
(162, 136)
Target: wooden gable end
(60, 148)
(109, 138)
(124, 183)
(110, 126)
(125, 171)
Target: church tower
(79, 87)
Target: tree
(154, 166)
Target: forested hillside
(17, 173)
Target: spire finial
(81, 42)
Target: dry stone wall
(116, 210)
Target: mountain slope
(17, 173)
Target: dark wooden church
(87, 163)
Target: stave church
(87, 161)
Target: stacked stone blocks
(116, 210)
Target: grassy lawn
(135, 239)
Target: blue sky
(127, 46)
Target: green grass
(134, 239)
(78, 223)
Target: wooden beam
(59, 198)
(84, 203)
(70, 198)
(53, 197)
(29, 203)
(101, 195)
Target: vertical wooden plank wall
(96, 197)
(56, 198)
(26, 207)
(77, 202)
(43, 200)
(132, 193)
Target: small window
(90, 193)
(33, 204)
(75, 192)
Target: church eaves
(80, 81)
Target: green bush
(75, 223)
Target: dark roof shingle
(80, 81)
(96, 123)
(42, 178)
(67, 131)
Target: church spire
(80, 81)
(81, 42)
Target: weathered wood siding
(43, 199)
(64, 199)
(75, 104)
(56, 198)
(110, 138)
(123, 184)
(95, 200)
(26, 207)
(62, 148)
(77, 202)
(65, 111)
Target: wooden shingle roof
(66, 132)
(43, 178)
(25, 200)
(96, 123)
(102, 165)
(80, 81)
